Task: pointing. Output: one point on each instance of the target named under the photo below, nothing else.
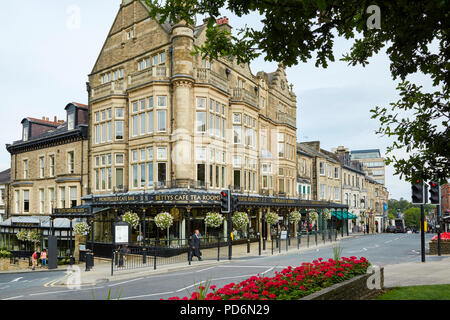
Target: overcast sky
(49, 47)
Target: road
(381, 250)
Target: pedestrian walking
(34, 260)
(44, 258)
(196, 245)
(120, 251)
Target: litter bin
(89, 260)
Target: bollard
(272, 244)
(218, 248)
(154, 256)
(259, 244)
(144, 255)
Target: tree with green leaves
(416, 37)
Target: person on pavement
(44, 258)
(34, 260)
(196, 245)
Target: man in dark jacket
(196, 245)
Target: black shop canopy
(201, 198)
(83, 211)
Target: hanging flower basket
(163, 220)
(240, 220)
(213, 219)
(326, 215)
(272, 218)
(295, 217)
(313, 216)
(33, 236)
(131, 218)
(81, 229)
(22, 235)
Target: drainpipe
(88, 89)
(171, 114)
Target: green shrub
(5, 254)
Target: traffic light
(225, 201)
(417, 192)
(434, 192)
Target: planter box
(445, 247)
(353, 289)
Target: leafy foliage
(414, 34)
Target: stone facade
(445, 247)
(304, 174)
(353, 289)
(326, 173)
(49, 170)
(173, 119)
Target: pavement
(436, 270)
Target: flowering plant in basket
(131, 218)
(164, 220)
(213, 219)
(240, 220)
(81, 229)
(295, 217)
(272, 218)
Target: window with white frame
(62, 197)
(26, 201)
(52, 165)
(322, 168)
(41, 167)
(71, 162)
(25, 169)
(41, 201)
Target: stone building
(326, 172)
(5, 180)
(168, 128)
(354, 192)
(48, 171)
(304, 174)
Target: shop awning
(343, 215)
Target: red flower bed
(289, 284)
(444, 236)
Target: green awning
(345, 214)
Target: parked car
(390, 229)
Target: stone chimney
(314, 144)
(223, 24)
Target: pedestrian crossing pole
(422, 232)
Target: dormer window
(71, 121)
(25, 133)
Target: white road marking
(190, 286)
(116, 284)
(146, 295)
(4, 287)
(63, 291)
(11, 298)
(17, 279)
(388, 241)
(205, 269)
(268, 270)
